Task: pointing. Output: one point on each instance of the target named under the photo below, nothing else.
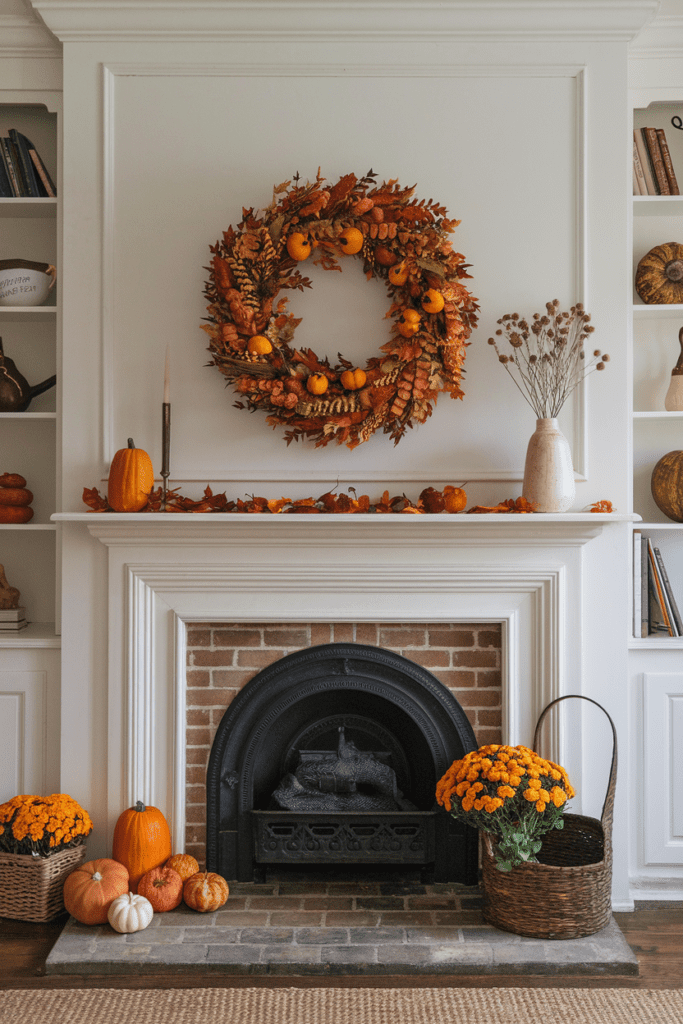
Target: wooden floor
(654, 931)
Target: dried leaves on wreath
(430, 502)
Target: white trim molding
(24, 37)
(321, 20)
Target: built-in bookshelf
(30, 230)
(656, 220)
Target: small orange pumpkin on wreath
(400, 240)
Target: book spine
(6, 190)
(11, 169)
(662, 622)
(644, 156)
(638, 173)
(668, 162)
(45, 178)
(657, 162)
(644, 590)
(637, 536)
(25, 162)
(669, 593)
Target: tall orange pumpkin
(131, 478)
(142, 841)
(91, 889)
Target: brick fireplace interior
(222, 657)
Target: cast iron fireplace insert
(340, 700)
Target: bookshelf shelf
(36, 634)
(28, 415)
(643, 311)
(656, 415)
(28, 207)
(28, 314)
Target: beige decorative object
(25, 282)
(548, 471)
(674, 396)
(9, 596)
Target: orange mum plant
(509, 792)
(42, 825)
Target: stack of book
(12, 620)
(653, 171)
(655, 612)
(22, 172)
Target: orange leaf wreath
(400, 240)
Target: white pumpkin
(130, 913)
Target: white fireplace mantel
(166, 570)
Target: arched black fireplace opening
(312, 714)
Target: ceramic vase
(548, 471)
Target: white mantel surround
(163, 571)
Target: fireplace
(361, 721)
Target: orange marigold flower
(472, 775)
(462, 788)
(534, 783)
(467, 804)
(479, 803)
(540, 806)
(531, 795)
(504, 791)
(558, 796)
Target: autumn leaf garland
(400, 240)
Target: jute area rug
(342, 1006)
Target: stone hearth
(296, 924)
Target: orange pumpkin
(12, 480)
(351, 241)
(205, 891)
(353, 380)
(15, 496)
(409, 323)
(299, 246)
(259, 345)
(15, 513)
(398, 275)
(90, 890)
(454, 499)
(432, 301)
(184, 863)
(142, 841)
(317, 383)
(163, 887)
(131, 478)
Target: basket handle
(607, 815)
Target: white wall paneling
(663, 767)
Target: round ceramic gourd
(667, 485)
(659, 277)
(130, 913)
(90, 890)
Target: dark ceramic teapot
(16, 394)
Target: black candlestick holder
(165, 450)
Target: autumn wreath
(400, 240)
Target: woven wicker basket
(31, 888)
(569, 893)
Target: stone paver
(385, 928)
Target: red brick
(479, 698)
(210, 697)
(258, 659)
(285, 637)
(489, 638)
(456, 680)
(486, 735)
(343, 632)
(195, 815)
(214, 659)
(475, 659)
(493, 716)
(198, 716)
(237, 637)
(198, 737)
(489, 678)
(321, 633)
(197, 755)
(403, 637)
(451, 636)
(366, 633)
(194, 773)
(429, 659)
(232, 678)
(198, 637)
(195, 795)
(197, 678)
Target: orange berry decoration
(454, 499)
(351, 241)
(398, 274)
(299, 246)
(317, 384)
(259, 345)
(409, 323)
(353, 380)
(432, 301)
